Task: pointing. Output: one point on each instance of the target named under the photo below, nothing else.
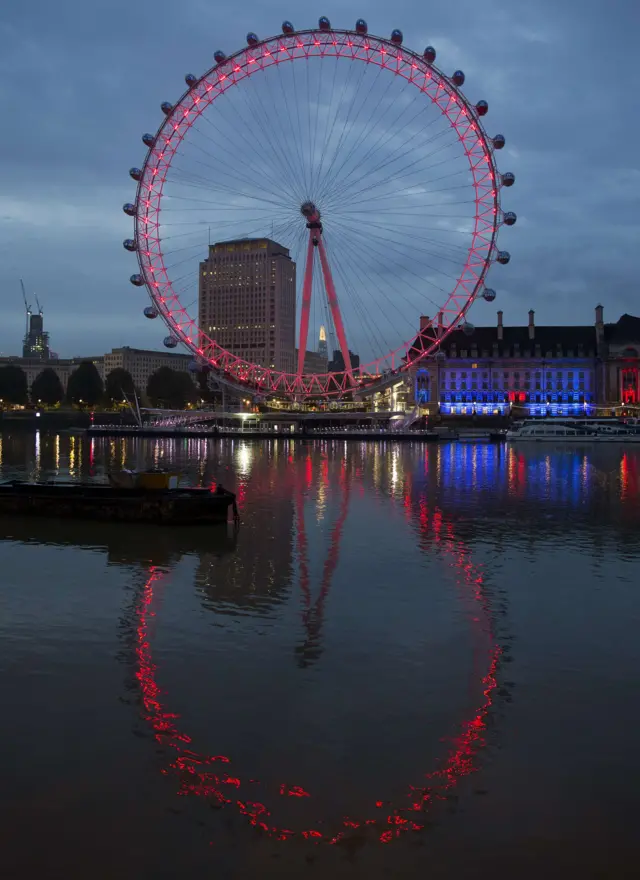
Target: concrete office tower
(247, 301)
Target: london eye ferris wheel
(365, 162)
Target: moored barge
(112, 503)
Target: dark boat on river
(137, 502)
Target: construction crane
(27, 307)
(38, 304)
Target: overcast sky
(80, 82)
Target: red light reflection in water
(206, 775)
(628, 478)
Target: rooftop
(262, 243)
(562, 340)
(626, 329)
(148, 351)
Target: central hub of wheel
(312, 215)
(309, 210)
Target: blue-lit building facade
(546, 370)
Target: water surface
(408, 661)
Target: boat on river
(573, 431)
(137, 502)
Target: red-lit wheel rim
(416, 72)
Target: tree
(170, 388)
(118, 383)
(85, 385)
(47, 387)
(205, 391)
(13, 384)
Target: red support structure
(335, 308)
(306, 305)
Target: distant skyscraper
(36, 341)
(247, 301)
(323, 348)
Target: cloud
(79, 86)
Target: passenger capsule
(503, 257)
(170, 341)
(150, 312)
(508, 178)
(252, 39)
(396, 37)
(166, 107)
(130, 209)
(324, 24)
(429, 54)
(148, 140)
(468, 329)
(137, 280)
(193, 367)
(458, 78)
(482, 108)
(489, 294)
(287, 27)
(361, 26)
(191, 79)
(136, 173)
(509, 218)
(129, 244)
(219, 57)
(498, 142)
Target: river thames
(408, 661)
